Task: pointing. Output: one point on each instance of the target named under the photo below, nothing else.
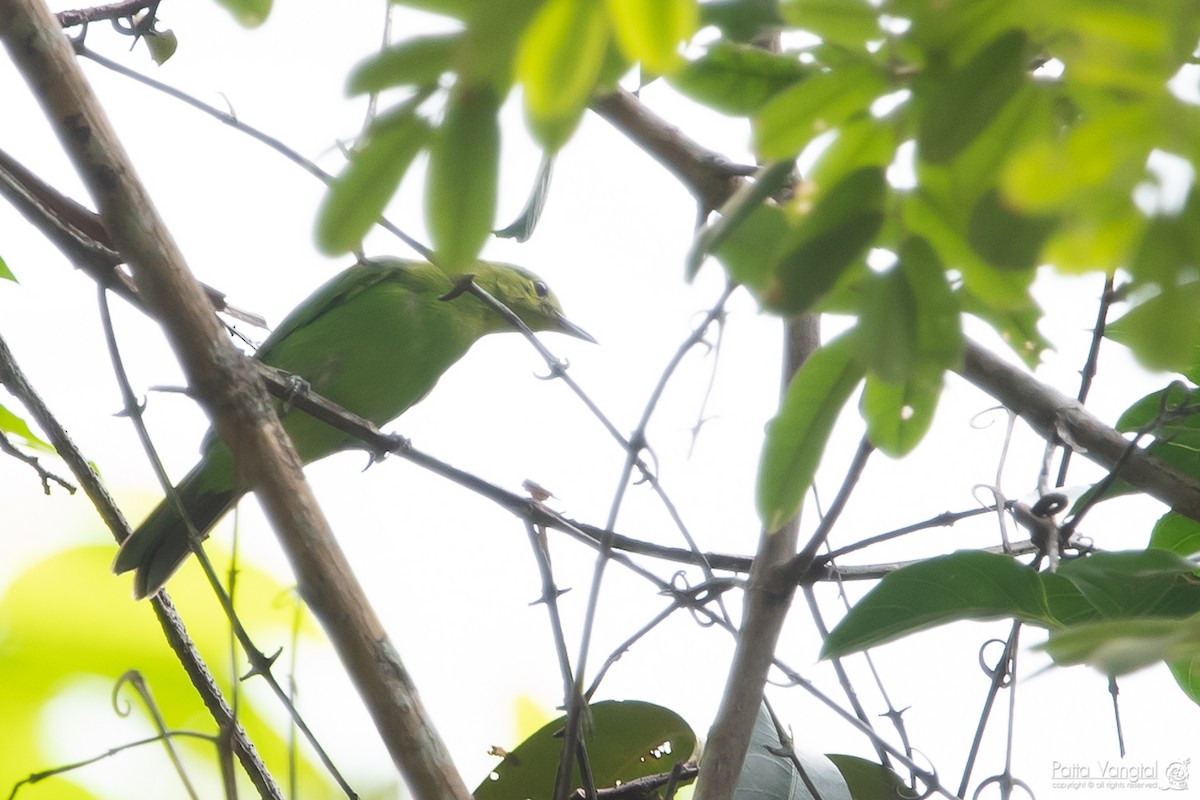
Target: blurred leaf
(460, 188)
(1006, 238)
(796, 437)
(629, 740)
(1118, 647)
(523, 226)
(967, 585)
(1018, 327)
(418, 61)
(736, 78)
(898, 414)
(768, 773)
(747, 251)
(652, 31)
(248, 13)
(869, 780)
(1177, 534)
(1164, 330)
(357, 197)
(1135, 583)
(561, 56)
(748, 205)
(13, 425)
(794, 116)
(162, 45)
(836, 230)
(5, 273)
(850, 23)
(742, 20)
(966, 101)
(1007, 289)
(860, 142)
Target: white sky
(452, 575)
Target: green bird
(374, 339)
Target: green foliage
(6, 273)
(769, 770)
(796, 437)
(628, 740)
(12, 425)
(250, 13)
(1155, 589)
(737, 78)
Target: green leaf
(967, 585)
(736, 78)
(1007, 239)
(358, 195)
(1118, 647)
(898, 414)
(1164, 330)
(836, 232)
(793, 117)
(248, 13)
(768, 773)
(850, 23)
(868, 780)
(418, 61)
(13, 425)
(861, 142)
(652, 31)
(560, 60)
(965, 102)
(742, 20)
(162, 45)
(460, 188)
(1135, 583)
(5, 273)
(748, 205)
(628, 740)
(523, 226)
(796, 437)
(1176, 533)
(1018, 327)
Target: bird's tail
(160, 544)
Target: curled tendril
(929, 777)
(1006, 679)
(979, 423)
(1006, 783)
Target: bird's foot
(296, 386)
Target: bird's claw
(296, 386)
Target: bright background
(451, 574)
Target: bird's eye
(540, 289)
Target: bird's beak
(565, 325)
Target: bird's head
(527, 296)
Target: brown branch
(112, 11)
(227, 386)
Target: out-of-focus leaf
(162, 45)
(418, 61)
(1176, 533)
(523, 226)
(628, 740)
(747, 252)
(6, 273)
(794, 116)
(1007, 239)
(860, 142)
(898, 414)
(768, 773)
(247, 13)
(746, 203)
(359, 194)
(13, 425)
(850, 23)
(835, 232)
(967, 585)
(1018, 327)
(796, 437)
(969, 98)
(561, 56)
(742, 20)
(464, 162)
(1136, 583)
(870, 781)
(1120, 646)
(653, 31)
(1163, 331)
(736, 78)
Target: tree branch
(228, 387)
